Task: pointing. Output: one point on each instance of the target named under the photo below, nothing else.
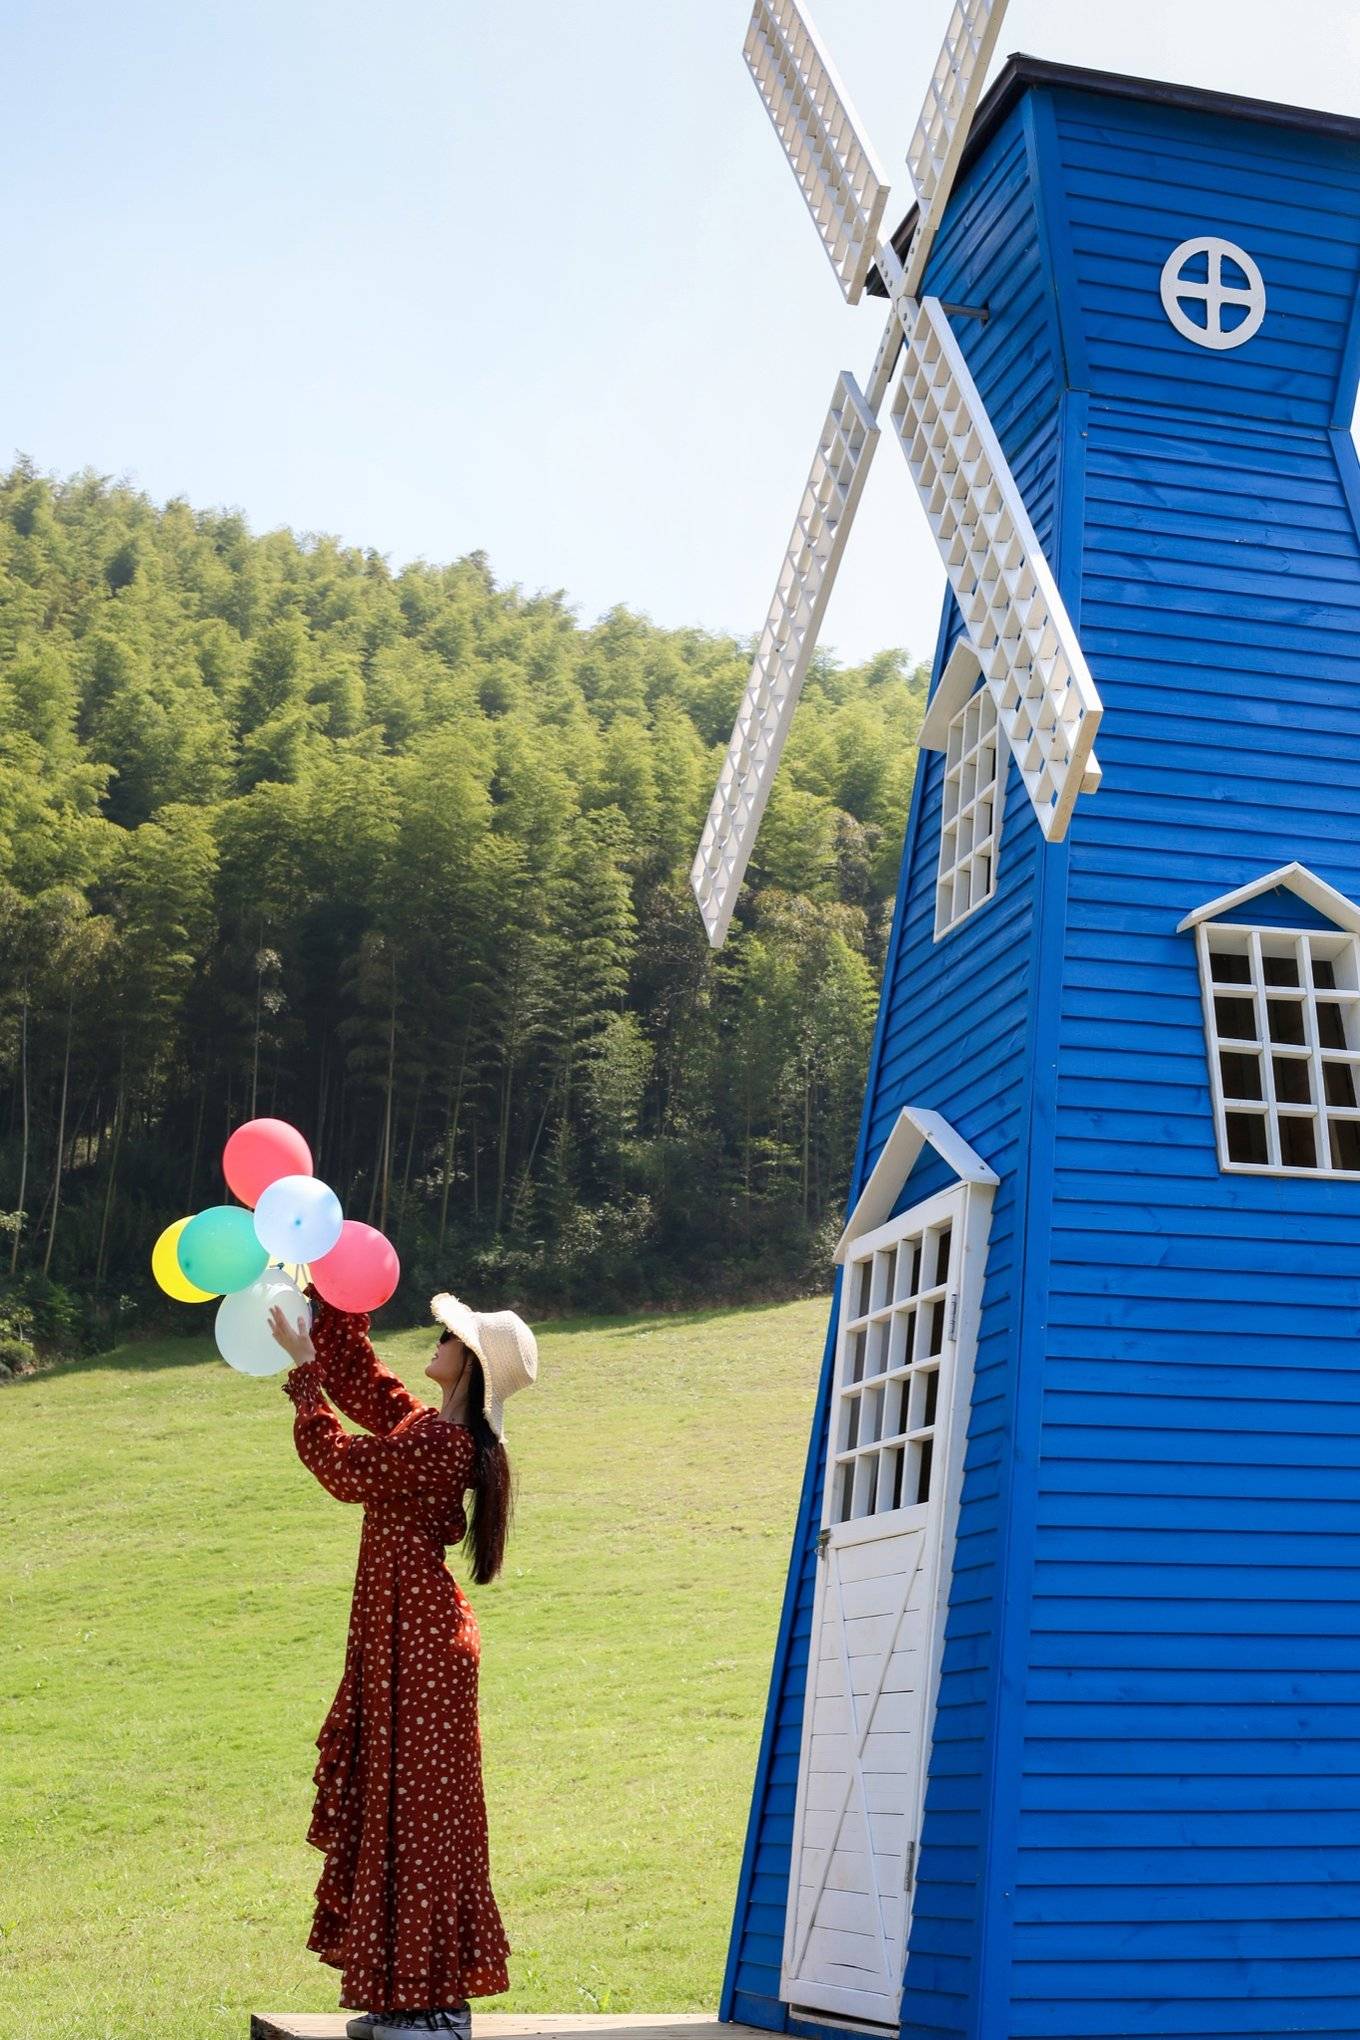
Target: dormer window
(970, 820)
(962, 722)
(1282, 1022)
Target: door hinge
(954, 1315)
(911, 1866)
(823, 1539)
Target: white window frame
(970, 840)
(1322, 1064)
(873, 1325)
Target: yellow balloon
(167, 1271)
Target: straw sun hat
(502, 1342)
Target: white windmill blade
(1015, 618)
(786, 644)
(837, 171)
(955, 88)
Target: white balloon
(298, 1218)
(243, 1336)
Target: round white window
(1212, 292)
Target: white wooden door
(894, 1456)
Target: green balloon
(218, 1250)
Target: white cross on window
(1213, 293)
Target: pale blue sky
(530, 277)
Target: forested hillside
(403, 858)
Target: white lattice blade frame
(937, 145)
(1012, 611)
(838, 173)
(786, 644)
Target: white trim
(966, 1207)
(897, 1158)
(972, 802)
(928, 1212)
(1329, 1070)
(963, 670)
(1296, 878)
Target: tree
(404, 857)
(592, 942)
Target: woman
(404, 1906)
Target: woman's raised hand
(295, 1339)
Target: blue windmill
(1063, 1735)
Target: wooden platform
(521, 2025)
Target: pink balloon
(361, 1270)
(261, 1151)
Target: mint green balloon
(218, 1250)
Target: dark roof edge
(1021, 74)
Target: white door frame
(968, 1204)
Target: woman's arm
(354, 1377)
(431, 1459)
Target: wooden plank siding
(958, 1037)
(935, 994)
(973, 987)
(1187, 1855)
(1143, 1804)
(1136, 181)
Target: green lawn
(176, 1592)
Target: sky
(526, 276)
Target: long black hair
(493, 1497)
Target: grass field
(176, 1588)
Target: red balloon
(361, 1270)
(261, 1151)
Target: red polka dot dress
(404, 1906)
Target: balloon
(243, 1336)
(298, 1218)
(167, 1271)
(261, 1151)
(218, 1250)
(361, 1270)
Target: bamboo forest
(403, 858)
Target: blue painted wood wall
(1187, 1849)
(991, 247)
(1143, 1810)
